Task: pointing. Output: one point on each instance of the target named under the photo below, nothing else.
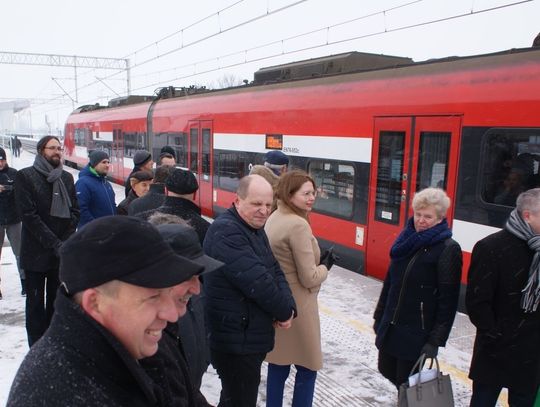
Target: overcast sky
(141, 31)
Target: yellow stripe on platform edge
(454, 372)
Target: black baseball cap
(184, 240)
(121, 248)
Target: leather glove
(324, 255)
(329, 259)
(430, 350)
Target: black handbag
(436, 392)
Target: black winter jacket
(185, 209)
(249, 293)
(8, 209)
(123, 207)
(169, 370)
(79, 363)
(192, 331)
(42, 234)
(152, 200)
(418, 301)
(507, 346)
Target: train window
(433, 160)
(511, 161)
(178, 142)
(80, 136)
(335, 186)
(194, 149)
(389, 177)
(134, 141)
(206, 141)
(230, 168)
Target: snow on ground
(347, 300)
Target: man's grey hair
(528, 201)
(160, 218)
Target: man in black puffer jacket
(246, 298)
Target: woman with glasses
(298, 254)
(419, 299)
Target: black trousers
(394, 369)
(40, 295)
(486, 395)
(240, 377)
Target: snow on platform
(349, 377)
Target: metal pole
(76, 86)
(128, 76)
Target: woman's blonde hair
(434, 197)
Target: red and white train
(370, 135)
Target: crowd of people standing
(131, 310)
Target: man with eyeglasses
(45, 196)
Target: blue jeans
(304, 385)
(486, 395)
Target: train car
(370, 137)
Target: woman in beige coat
(298, 254)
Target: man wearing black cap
(277, 161)
(140, 182)
(46, 199)
(177, 368)
(156, 194)
(117, 277)
(10, 220)
(142, 161)
(94, 193)
(180, 189)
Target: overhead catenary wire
(202, 39)
(184, 46)
(327, 43)
(385, 30)
(282, 40)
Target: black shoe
(23, 288)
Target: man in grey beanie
(94, 193)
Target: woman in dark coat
(419, 298)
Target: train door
(117, 153)
(200, 161)
(409, 154)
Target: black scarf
(410, 241)
(61, 203)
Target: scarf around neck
(410, 241)
(60, 201)
(522, 230)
